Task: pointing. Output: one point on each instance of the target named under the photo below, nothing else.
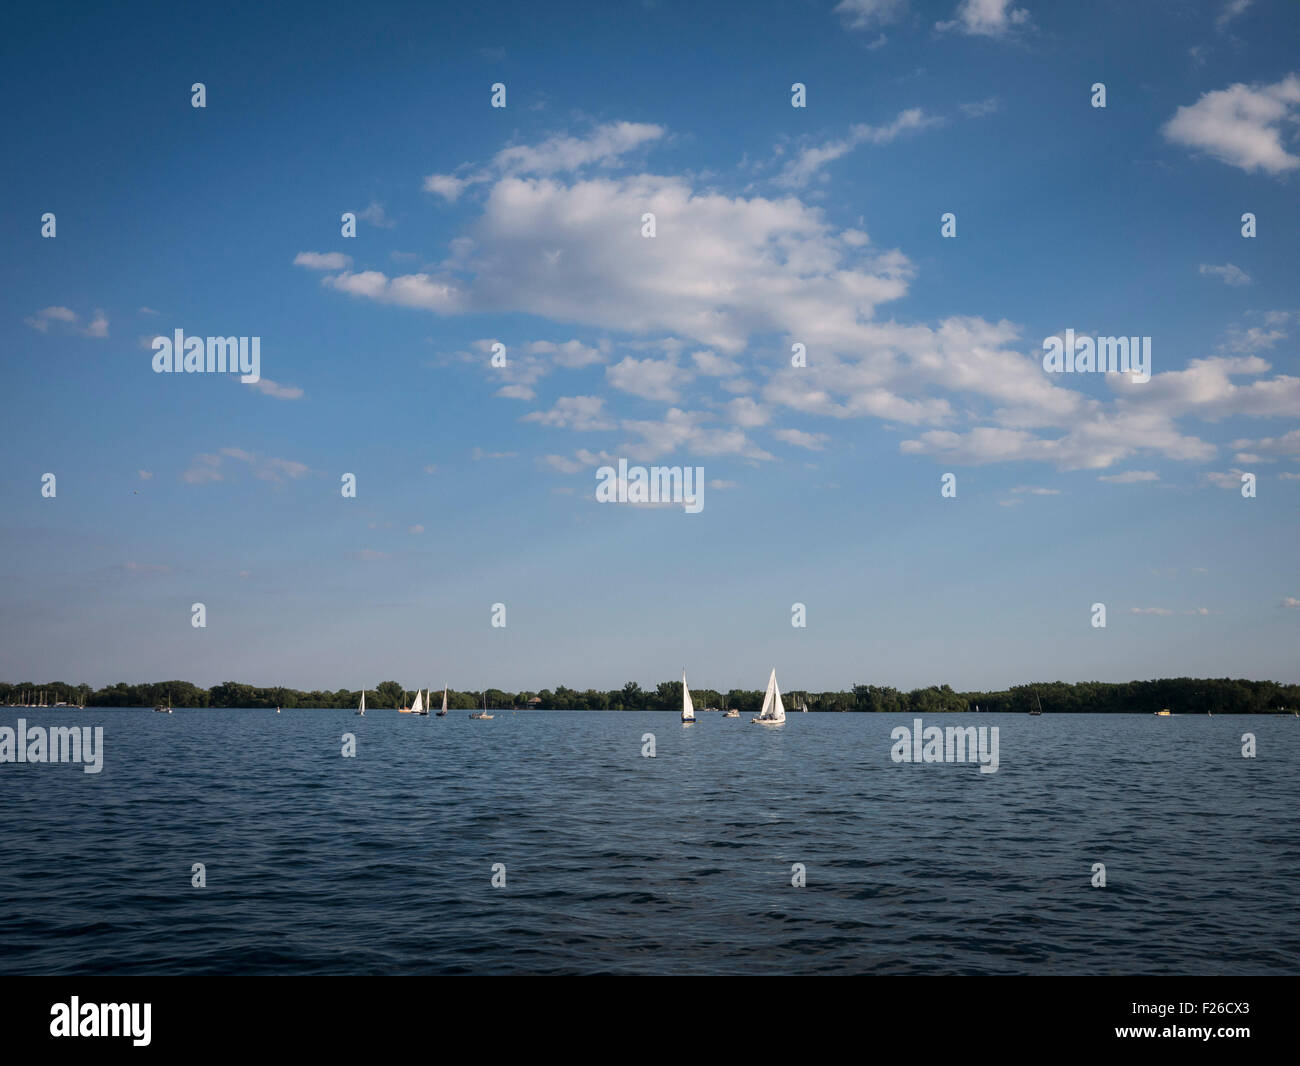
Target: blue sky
(775, 225)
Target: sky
(774, 225)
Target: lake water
(616, 863)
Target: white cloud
(1230, 480)
(574, 412)
(267, 387)
(1228, 274)
(1130, 477)
(812, 441)
(1230, 11)
(564, 154)
(446, 186)
(376, 216)
(986, 18)
(799, 171)
(583, 460)
(1287, 445)
(864, 14)
(322, 260)
(682, 432)
(652, 379)
(209, 467)
(712, 365)
(745, 412)
(97, 327)
(603, 146)
(981, 108)
(1241, 125)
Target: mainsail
(773, 709)
(417, 706)
(688, 708)
(444, 700)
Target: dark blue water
(678, 864)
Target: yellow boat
(1166, 713)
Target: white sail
(444, 700)
(417, 706)
(363, 701)
(773, 709)
(688, 708)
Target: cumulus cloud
(986, 18)
(651, 379)
(1242, 126)
(97, 327)
(698, 310)
(574, 412)
(800, 439)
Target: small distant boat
(361, 711)
(418, 707)
(688, 708)
(483, 714)
(803, 707)
(403, 710)
(277, 710)
(731, 714)
(1166, 713)
(1036, 711)
(165, 710)
(773, 712)
(443, 713)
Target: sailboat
(403, 710)
(688, 708)
(361, 711)
(1039, 709)
(484, 712)
(773, 712)
(418, 706)
(803, 707)
(443, 713)
(168, 708)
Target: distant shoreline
(1181, 696)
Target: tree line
(1183, 695)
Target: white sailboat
(418, 706)
(361, 711)
(773, 712)
(443, 713)
(688, 708)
